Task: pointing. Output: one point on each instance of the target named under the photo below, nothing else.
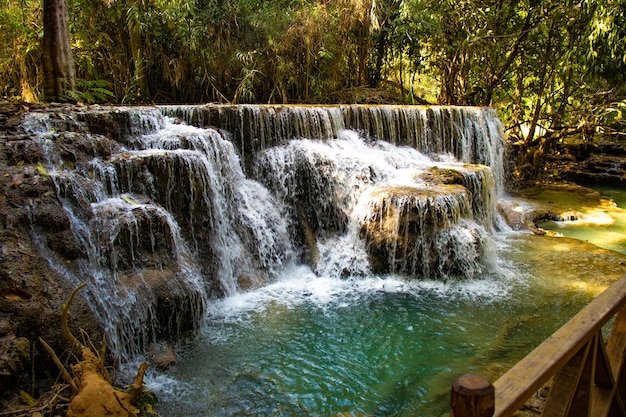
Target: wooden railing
(587, 371)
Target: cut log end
(472, 396)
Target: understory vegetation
(554, 69)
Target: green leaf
(129, 200)
(42, 170)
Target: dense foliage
(552, 67)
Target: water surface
(602, 223)
(380, 346)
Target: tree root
(65, 315)
(93, 395)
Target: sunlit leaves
(541, 63)
(20, 38)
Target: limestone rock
(162, 355)
(14, 358)
(600, 169)
(411, 230)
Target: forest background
(554, 69)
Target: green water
(377, 346)
(602, 224)
(380, 346)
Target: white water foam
(300, 285)
(347, 183)
(192, 180)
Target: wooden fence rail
(589, 379)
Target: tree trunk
(58, 64)
(496, 78)
(381, 50)
(542, 84)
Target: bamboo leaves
(542, 64)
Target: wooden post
(472, 396)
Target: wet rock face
(120, 124)
(601, 163)
(176, 185)
(412, 231)
(14, 354)
(52, 221)
(162, 355)
(31, 292)
(310, 189)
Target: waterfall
(388, 202)
(166, 219)
(172, 206)
(470, 134)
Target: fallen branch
(46, 406)
(66, 375)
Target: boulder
(417, 231)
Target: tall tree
(58, 63)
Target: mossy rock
(439, 175)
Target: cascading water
(172, 201)
(167, 220)
(333, 260)
(167, 208)
(470, 135)
(388, 202)
(174, 207)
